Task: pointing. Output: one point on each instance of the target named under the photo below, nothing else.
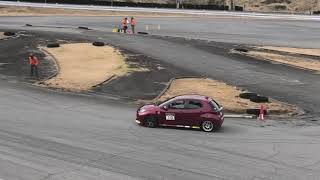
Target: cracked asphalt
(46, 134)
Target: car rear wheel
(207, 126)
(150, 122)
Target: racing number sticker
(170, 117)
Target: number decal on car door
(170, 117)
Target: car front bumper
(140, 117)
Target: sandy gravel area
(226, 95)
(296, 61)
(2, 36)
(33, 11)
(312, 52)
(83, 66)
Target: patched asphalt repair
(136, 85)
(143, 85)
(15, 50)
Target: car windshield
(165, 102)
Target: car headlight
(142, 110)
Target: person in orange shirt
(33, 61)
(133, 23)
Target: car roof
(192, 96)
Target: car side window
(178, 104)
(193, 104)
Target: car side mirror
(165, 108)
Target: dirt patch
(226, 95)
(296, 61)
(311, 52)
(33, 11)
(83, 66)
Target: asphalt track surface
(52, 135)
(293, 33)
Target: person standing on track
(124, 24)
(133, 23)
(33, 61)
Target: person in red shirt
(133, 24)
(33, 61)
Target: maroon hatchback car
(188, 111)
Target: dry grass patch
(300, 62)
(83, 66)
(312, 52)
(270, 5)
(226, 95)
(33, 11)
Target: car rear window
(214, 105)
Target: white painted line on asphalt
(163, 10)
(2, 64)
(239, 116)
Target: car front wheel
(207, 126)
(150, 122)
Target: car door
(192, 112)
(173, 115)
